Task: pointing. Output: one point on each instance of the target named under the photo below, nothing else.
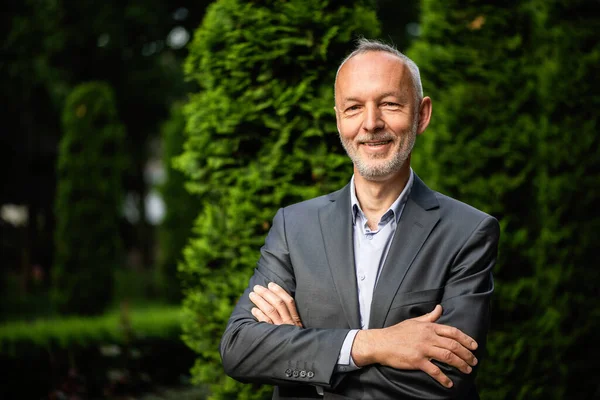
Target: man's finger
(289, 302)
(266, 308)
(456, 334)
(260, 316)
(448, 357)
(436, 373)
(461, 351)
(431, 316)
(276, 302)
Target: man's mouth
(374, 144)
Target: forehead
(371, 72)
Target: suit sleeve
(467, 296)
(258, 352)
(466, 306)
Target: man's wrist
(362, 352)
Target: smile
(374, 144)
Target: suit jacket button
(288, 372)
(310, 374)
(302, 374)
(296, 373)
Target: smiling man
(380, 290)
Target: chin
(380, 172)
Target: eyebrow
(402, 97)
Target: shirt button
(302, 374)
(369, 237)
(310, 374)
(361, 277)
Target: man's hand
(413, 343)
(274, 306)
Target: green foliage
(15, 306)
(568, 192)
(181, 207)
(91, 164)
(262, 135)
(113, 327)
(513, 133)
(137, 287)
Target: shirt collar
(396, 206)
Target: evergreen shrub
(91, 163)
(261, 135)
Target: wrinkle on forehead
(376, 67)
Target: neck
(376, 197)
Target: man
(380, 290)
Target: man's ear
(337, 118)
(424, 115)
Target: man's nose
(373, 121)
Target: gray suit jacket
(442, 252)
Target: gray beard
(380, 171)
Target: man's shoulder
(311, 205)
(449, 207)
(457, 210)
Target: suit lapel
(420, 215)
(336, 225)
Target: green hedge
(118, 327)
(262, 135)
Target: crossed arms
(408, 345)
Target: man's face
(377, 117)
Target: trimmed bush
(91, 164)
(116, 327)
(262, 135)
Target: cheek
(398, 123)
(348, 129)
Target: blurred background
(147, 144)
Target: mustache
(377, 137)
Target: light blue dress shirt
(370, 251)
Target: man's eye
(352, 108)
(390, 104)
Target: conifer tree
(88, 204)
